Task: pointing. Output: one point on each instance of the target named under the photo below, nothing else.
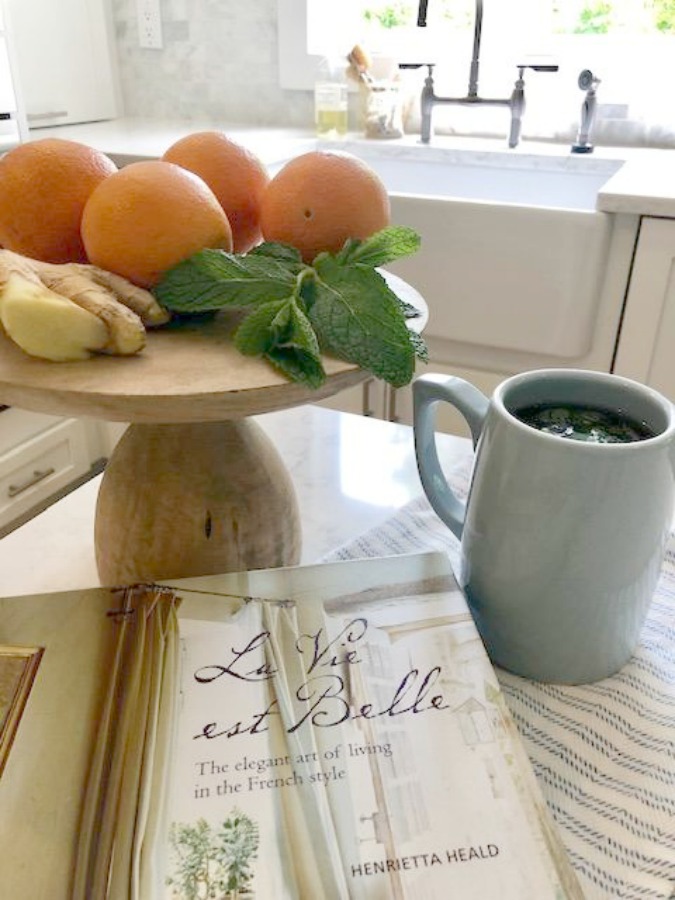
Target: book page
(346, 738)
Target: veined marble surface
(351, 473)
(644, 185)
(646, 188)
(129, 138)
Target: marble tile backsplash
(219, 62)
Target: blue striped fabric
(604, 754)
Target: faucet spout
(422, 13)
(475, 56)
(517, 109)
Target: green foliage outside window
(390, 16)
(664, 16)
(604, 17)
(395, 15)
(593, 17)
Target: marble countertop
(644, 185)
(351, 473)
(128, 139)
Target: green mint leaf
(284, 253)
(358, 318)
(298, 365)
(256, 334)
(380, 248)
(409, 311)
(212, 279)
(350, 246)
(281, 332)
(296, 331)
(419, 346)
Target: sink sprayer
(587, 82)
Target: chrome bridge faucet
(516, 102)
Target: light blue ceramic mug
(562, 540)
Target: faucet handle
(429, 80)
(539, 67)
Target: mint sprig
(292, 312)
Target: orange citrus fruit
(148, 217)
(44, 186)
(320, 199)
(235, 175)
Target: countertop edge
(644, 185)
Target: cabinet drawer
(40, 467)
(19, 425)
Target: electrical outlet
(149, 24)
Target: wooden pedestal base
(194, 499)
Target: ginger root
(47, 325)
(66, 312)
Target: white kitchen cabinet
(65, 63)
(367, 399)
(646, 347)
(447, 418)
(13, 125)
(40, 457)
(486, 362)
(376, 399)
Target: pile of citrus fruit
(61, 201)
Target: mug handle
(428, 390)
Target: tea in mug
(584, 423)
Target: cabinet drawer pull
(38, 117)
(38, 475)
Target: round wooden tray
(188, 372)
(194, 487)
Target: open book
(322, 732)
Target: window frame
(646, 115)
(297, 68)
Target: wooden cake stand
(194, 486)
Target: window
(628, 44)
